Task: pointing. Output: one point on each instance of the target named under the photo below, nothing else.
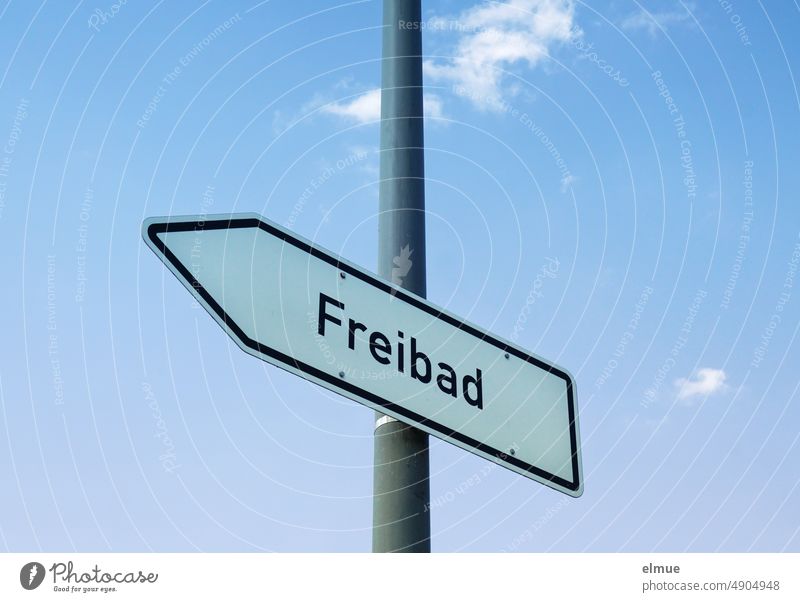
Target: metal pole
(401, 490)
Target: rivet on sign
(513, 452)
(341, 374)
(341, 275)
(506, 356)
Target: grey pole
(401, 490)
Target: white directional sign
(299, 307)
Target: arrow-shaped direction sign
(304, 309)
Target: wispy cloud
(367, 107)
(358, 107)
(363, 108)
(432, 106)
(705, 382)
(654, 22)
(498, 36)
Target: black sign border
(230, 223)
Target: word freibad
(419, 364)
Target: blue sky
(610, 185)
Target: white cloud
(363, 108)
(496, 36)
(432, 106)
(706, 382)
(366, 107)
(654, 22)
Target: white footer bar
(461, 577)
